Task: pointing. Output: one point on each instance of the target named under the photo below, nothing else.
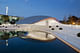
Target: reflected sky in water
(18, 45)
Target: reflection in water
(17, 45)
(4, 35)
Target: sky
(54, 8)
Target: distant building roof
(34, 19)
(11, 15)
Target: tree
(72, 19)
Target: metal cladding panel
(32, 19)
